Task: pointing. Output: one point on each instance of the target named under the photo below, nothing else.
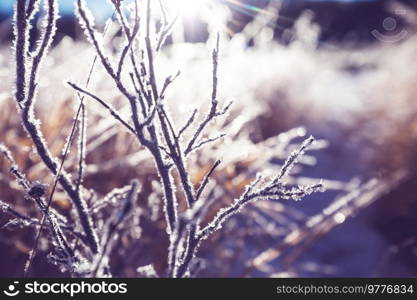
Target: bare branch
(206, 179)
(204, 142)
(112, 111)
(214, 112)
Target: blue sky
(102, 5)
(65, 5)
(100, 8)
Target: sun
(190, 8)
(191, 12)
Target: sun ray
(248, 8)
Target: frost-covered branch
(257, 190)
(27, 68)
(35, 191)
(100, 265)
(110, 109)
(146, 131)
(137, 78)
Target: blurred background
(342, 70)
(349, 21)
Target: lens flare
(190, 8)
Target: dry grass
(362, 100)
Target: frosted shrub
(83, 248)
